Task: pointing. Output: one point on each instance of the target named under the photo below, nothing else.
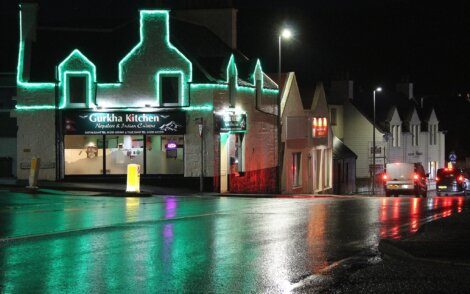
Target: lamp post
(379, 89)
(285, 34)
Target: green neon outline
(66, 90)
(181, 86)
(263, 89)
(63, 78)
(170, 46)
(34, 107)
(231, 63)
(20, 66)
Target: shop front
(104, 143)
(231, 125)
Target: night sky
(373, 42)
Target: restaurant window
(77, 89)
(333, 116)
(83, 155)
(165, 154)
(296, 172)
(122, 150)
(170, 90)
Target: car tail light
(437, 179)
(416, 177)
(460, 178)
(384, 177)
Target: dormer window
(170, 90)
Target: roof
(105, 44)
(385, 104)
(341, 151)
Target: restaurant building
(162, 92)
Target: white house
(406, 130)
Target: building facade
(406, 130)
(177, 111)
(307, 140)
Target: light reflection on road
(168, 244)
(396, 222)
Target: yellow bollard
(133, 178)
(33, 173)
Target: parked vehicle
(450, 181)
(405, 178)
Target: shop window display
(83, 155)
(165, 154)
(122, 150)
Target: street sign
(453, 157)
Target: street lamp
(284, 34)
(378, 89)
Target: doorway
(224, 164)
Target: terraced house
(169, 92)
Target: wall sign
(123, 123)
(230, 121)
(319, 127)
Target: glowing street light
(378, 89)
(284, 34)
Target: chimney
(406, 89)
(29, 12)
(221, 21)
(341, 91)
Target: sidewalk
(446, 240)
(112, 188)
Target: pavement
(110, 189)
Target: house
(168, 94)
(306, 139)
(406, 130)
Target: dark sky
(375, 42)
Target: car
(405, 178)
(451, 181)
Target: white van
(405, 178)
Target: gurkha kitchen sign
(127, 123)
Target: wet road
(70, 243)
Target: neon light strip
(66, 91)
(20, 66)
(63, 77)
(165, 14)
(34, 107)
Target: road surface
(80, 242)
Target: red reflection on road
(403, 216)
